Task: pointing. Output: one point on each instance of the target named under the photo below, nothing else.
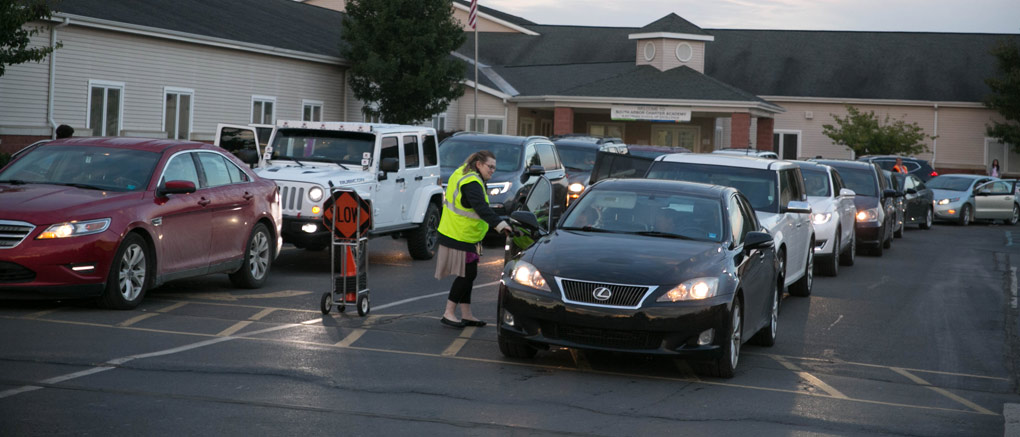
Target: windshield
(816, 181)
(758, 185)
(648, 213)
(861, 180)
(951, 183)
(453, 153)
(323, 146)
(578, 158)
(102, 168)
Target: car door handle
(418, 178)
(248, 196)
(399, 180)
(204, 202)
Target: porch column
(563, 121)
(740, 127)
(765, 128)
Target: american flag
(473, 14)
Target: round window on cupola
(649, 51)
(684, 52)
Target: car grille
(598, 337)
(11, 272)
(13, 233)
(291, 199)
(623, 296)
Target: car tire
(849, 255)
(782, 271)
(726, 364)
(831, 265)
(965, 215)
(130, 274)
(803, 285)
(423, 242)
(258, 259)
(929, 218)
(766, 336)
(515, 349)
(887, 243)
(1015, 217)
(898, 233)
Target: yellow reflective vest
(457, 222)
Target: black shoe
(451, 323)
(478, 323)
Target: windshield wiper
(589, 228)
(85, 186)
(13, 182)
(664, 234)
(329, 160)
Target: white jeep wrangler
(394, 167)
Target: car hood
(821, 204)
(947, 194)
(865, 202)
(44, 203)
(578, 176)
(624, 258)
(316, 174)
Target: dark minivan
(875, 202)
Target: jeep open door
(247, 142)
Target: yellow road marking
(136, 319)
(236, 327)
(351, 338)
(877, 366)
(459, 343)
(262, 314)
(43, 313)
(812, 379)
(942, 391)
(172, 307)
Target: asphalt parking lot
(917, 342)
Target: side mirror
(846, 192)
(757, 240)
(889, 193)
(248, 156)
(798, 207)
(536, 170)
(175, 187)
(389, 165)
(911, 191)
(526, 218)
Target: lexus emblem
(602, 293)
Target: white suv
(394, 167)
(776, 192)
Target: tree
(399, 52)
(1006, 93)
(862, 133)
(15, 36)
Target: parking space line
(136, 319)
(459, 343)
(401, 302)
(233, 329)
(351, 338)
(171, 307)
(811, 379)
(877, 366)
(262, 314)
(43, 313)
(942, 391)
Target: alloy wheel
(735, 336)
(258, 255)
(132, 272)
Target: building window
(649, 51)
(492, 125)
(177, 110)
(263, 109)
(371, 115)
(546, 129)
(684, 52)
(609, 130)
(527, 127)
(311, 110)
(786, 144)
(439, 122)
(106, 103)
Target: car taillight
(934, 173)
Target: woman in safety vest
(465, 220)
(900, 167)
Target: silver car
(832, 215)
(964, 198)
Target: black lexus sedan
(646, 266)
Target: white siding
(23, 90)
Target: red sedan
(114, 217)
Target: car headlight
(867, 215)
(694, 289)
(576, 187)
(821, 217)
(948, 201)
(527, 275)
(315, 194)
(498, 188)
(75, 229)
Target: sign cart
(349, 218)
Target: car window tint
(215, 169)
(454, 151)
(548, 156)
(908, 183)
(737, 226)
(996, 188)
(538, 201)
(757, 185)
(411, 151)
(236, 139)
(816, 181)
(181, 168)
(429, 150)
(785, 188)
(390, 148)
(750, 219)
(531, 156)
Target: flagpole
(476, 78)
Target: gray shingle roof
(672, 23)
(498, 14)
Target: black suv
(916, 167)
(578, 155)
(875, 201)
(515, 157)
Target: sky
(969, 16)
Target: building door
(527, 127)
(786, 144)
(676, 136)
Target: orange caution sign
(348, 214)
